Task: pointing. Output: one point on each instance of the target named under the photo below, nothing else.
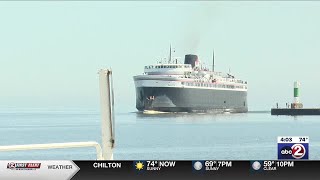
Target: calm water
(167, 136)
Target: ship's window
(244, 103)
(224, 101)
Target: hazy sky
(50, 52)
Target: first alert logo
(23, 166)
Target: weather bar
(155, 169)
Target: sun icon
(139, 165)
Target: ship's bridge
(167, 69)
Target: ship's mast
(170, 55)
(212, 60)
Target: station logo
(293, 148)
(23, 166)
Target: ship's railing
(213, 85)
(168, 66)
(54, 146)
(107, 125)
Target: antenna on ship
(213, 60)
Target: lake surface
(183, 136)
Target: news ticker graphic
(198, 169)
(293, 147)
(155, 169)
(49, 170)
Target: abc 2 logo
(293, 151)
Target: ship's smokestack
(190, 59)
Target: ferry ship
(189, 87)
